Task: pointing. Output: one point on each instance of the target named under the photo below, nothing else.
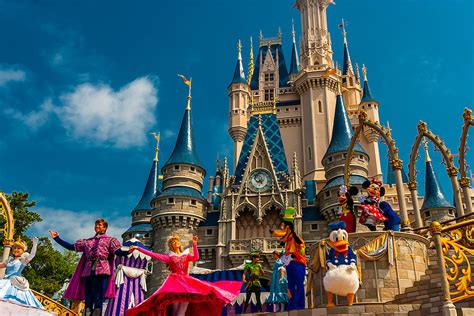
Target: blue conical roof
(347, 64)
(153, 185)
(341, 131)
(390, 179)
(434, 196)
(239, 76)
(185, 149)
(367, 96)
(294, 64)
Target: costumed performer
(254, 270)
(93, 279)
(14, 287)
(392, 221)
(279, 284)
(341, 278)
(294, 258)
(371, 214)
(346, 207)
(186, 295)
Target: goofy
(294, 258)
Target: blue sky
(83, 83)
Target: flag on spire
(186, 81)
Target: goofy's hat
(289, 215)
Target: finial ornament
(239, 50)
(188, 83)
(261, 37)
(427, 154)
(357, 71)
(364, 72)
(293, 31)
(157, 137)
(279, 33)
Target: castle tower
(351, 90)
(370, 140)
(239, 96)
(317, 87)
(435, 206)
(294, 62)
(334, 160)
(316, 41)
(141, 213)
(180, 207)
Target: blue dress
(14, 287)
(278, 289)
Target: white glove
(352, 267)
(331, 266)
(33, 249)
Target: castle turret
(435, 206)
(141, 214)
(239, 96)
(180, 207)
(371, 106)
(294, 63)
(335, 159)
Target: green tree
(48, 270)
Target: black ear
(382, 191)
(366, 184)
(353, 190)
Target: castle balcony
(239, 250)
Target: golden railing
(53, 306)
(455, 249)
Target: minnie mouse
(371, 213)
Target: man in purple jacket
(93, 279)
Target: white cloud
(101, 115)
(11, 73)
(74, 225)
(168, 133)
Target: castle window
(170, 200)
(314, 227)
(192, 169)
(278, 110)
(310, 154)
(320, 107)
(296, 109)
(147, 235)
(451, 212)
(148, 213)
(176, 167)
(269, 94)
(427, 214)
(287, 109)
(193, 202)
(269, 77)
(209, 232)
(327, 194)
(330, 159)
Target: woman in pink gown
(186, 295)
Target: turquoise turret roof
(390, 177)
(185, 149)
(341, 131)
(239, 76)
(216, 190)
(181, 191)
(339, 180)
(347, 64)
(275, 49)
(139, 227)
(271, 132)
(294, 64)
(434, 196)
(153, 185)
(367, 96)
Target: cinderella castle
(291, 124)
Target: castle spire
(239, 75)
(347, 69)
(366, 96)
(295, 64)
(185, 149)
(357, 75)
(341, 131)
(152, 184)
(434, 196)
(251, 64)
(427, 154)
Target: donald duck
(341, 278)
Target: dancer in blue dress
(14, 287)
(279, 285)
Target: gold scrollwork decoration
(458, 246)
(53, 306)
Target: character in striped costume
(130, 279)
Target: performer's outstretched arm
(63, 243)
(157, 256)
(195, 256)
(121, 253)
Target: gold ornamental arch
(465, 181)
(8, 229)
(395, 161)
(452, 171)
